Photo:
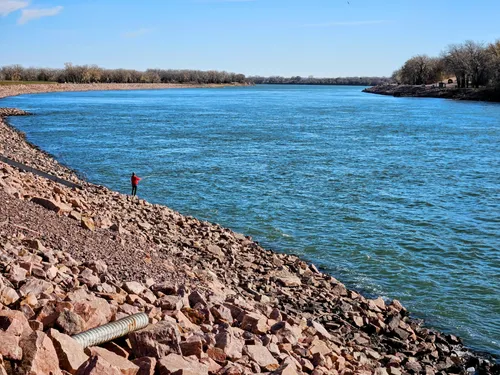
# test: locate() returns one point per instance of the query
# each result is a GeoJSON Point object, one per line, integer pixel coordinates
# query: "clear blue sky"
{"type": "Point", "coordinates": [324, 38]}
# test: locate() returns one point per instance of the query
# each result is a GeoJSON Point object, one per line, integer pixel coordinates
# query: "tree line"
{"type": "Point", "coordinates": [95, 74]}
{"type": "Point", "coordinates": [474, 64]}
{"type": "Point", "coordinates": [297, 80]}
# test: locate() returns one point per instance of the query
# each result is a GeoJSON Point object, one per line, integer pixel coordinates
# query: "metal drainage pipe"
{"type": "Point", "coordinates": [111, 331]}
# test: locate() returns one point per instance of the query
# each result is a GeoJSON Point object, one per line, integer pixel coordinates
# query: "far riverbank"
{"type": "Point", "coordinates": [21, 89]}
{"type": "Point", "coordinates": [481, 94]}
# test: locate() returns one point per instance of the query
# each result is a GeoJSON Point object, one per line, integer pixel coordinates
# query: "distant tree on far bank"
{"type": "Point", "coordinates": [95, 74]}
{"type": "Point", "coordinates": [297, 80]}
{"type": "Point", "coordinates": [420, 69]}
{"type": "Point", "coordinates": [494, 52]}
{"type": "Point", "coordinates": [473, 64]}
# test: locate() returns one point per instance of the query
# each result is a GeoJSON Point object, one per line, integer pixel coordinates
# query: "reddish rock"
{"type": "Point", "coordinates": [70, 322]}
{"type": "Point", "coordinates": [379, 303]}
{"type": "Point", "coordinates": [88, 278]}
{"type": "Point", "coordinates": [184, 321]}
{"type": "Point", "coordinates": [215, 250]}
{"type": "Point", "coordinates": [34, 244]}
{"type": "Point", "coordinates": [287, 278]}
{"type": "Point", "coordinates": [94, 311]}
{"type": "Point", "coordinates": [98, 266]}
{"type": "Point", "coordinates": [8, 296]}
{"type": "Point", "coordinates": [322, 332]}
{"type": "Point", "coordinates": [75, 215]}
{"type": "Point", "coordinates": [197, 316]}
{"type": "Point", "coordinates": [262, 356]}
{"type": "Point", "coordinates": [97, 366]}
{"type": "Point", "coordinates": [36, 287]}
{"type": "Point", "coordinates": [287, 369]}
{"type": "Point", "coordinates": [156, 340]}
{"type": "Point", "coordinates": [117, 349]}
{"type": "Point", "coordinates": [231, 345]}
{"type": "Point", "coordinates": [319, 346]}
{"type": "Point", "coordinates": [233, 369]}
{"type": "Point", "coordinates": [394, 371]}
{"type": "Point", "coordinates": [216, 354]}
{"type": "Point", "coordinates": [9, 346]}
{"type": "Point", "coordinates": [52, 205]}
{"type": "Point", "coordinates": [192, 346]}
{"type": "Point", "coordinates": [170, 302]}
{"type": "Point", "coordinates": [146, 365]}
{"type": "Point", "coordinates": [16, 274]}
{"type": "Point", "coordinates": [255, 323]}
{"type": "Point", "coordinates": [51, 311]}
{"type": "Point", "coordinates": [36, 325]}
{"type": "Point", "coordinates": [213, 367]}
{"type": "Point", "coordinates": [87, 223]}
{"type": "Point", "coordinates": [70, 353]}
{"type": "Point", "coordinates": [133, 287]}
{"type": "Point", "coordinates": [286, 333]}
{"type": "Point", "coordinates": [195, 298]}
{"type": "Point", "coordinates": [14, 322]}
{"type": "Point", "coordinates": [39, 355]}
{"type": "Point", "coordinates": [125, 366]}
{"type": "Point", "coordinates": [222, 314]}
{"type": "Point", "coordinates": [178, 365]}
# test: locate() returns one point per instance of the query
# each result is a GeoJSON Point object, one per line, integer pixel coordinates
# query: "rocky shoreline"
{"type": "Point", "coordinates": [13, 90]}
{"type": "Point", "coordinates": [218, 303]}
{"type": "Point", "coordinates": [482, 94]}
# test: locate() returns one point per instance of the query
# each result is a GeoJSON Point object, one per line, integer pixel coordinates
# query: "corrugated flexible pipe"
{"type": "Point", "coordinates": [111, 331]}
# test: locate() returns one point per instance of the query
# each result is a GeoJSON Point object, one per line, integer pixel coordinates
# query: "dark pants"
{"type": "Point", "coordinates": [134, 189]}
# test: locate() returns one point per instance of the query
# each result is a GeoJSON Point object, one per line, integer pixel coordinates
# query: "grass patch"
{"type": "Point", "coordinates": [7, 83]}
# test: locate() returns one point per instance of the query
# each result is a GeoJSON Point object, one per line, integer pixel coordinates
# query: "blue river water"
{"type": "Point", "coordinates": [398, 197]}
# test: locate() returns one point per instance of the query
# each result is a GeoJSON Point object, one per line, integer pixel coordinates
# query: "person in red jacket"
{"type": "Point", "coordinates": [135, 181]}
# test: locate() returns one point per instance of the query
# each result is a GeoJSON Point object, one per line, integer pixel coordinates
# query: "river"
{"type": "Point", "coordinates": [398, 197]}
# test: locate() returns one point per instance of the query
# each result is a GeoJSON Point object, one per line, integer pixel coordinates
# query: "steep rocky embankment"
{"type": "Point", "coordinates": [218, 303]}
{"type": "Point", "coordinates": [482, 94]}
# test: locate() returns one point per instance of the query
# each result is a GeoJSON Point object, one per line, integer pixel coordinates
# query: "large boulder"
{"type": "Point", "coordinates": [70, 353]}
{"type": "Point", "coordinates": [70, 322]}
{"type": "Point", "coordinates": [156, 340]}
{"type": "Point", "coordinates": [262, 356]}
{"type": "Point", "coordinates": [286, 278]}
{"type": "Point", "coordinates": [133, 287]}
{"type": "Point", "coordinates": [94, 311]}
{"type": "Point", "coordinates": [52, 205]}
{"type": "Point", "coordinates": [13, 326]}
{"type": "Point", "coordinates": [36, 287]}
{"type": "Point", "coordinates": [255, 322]}
{"type": "Point", "coordinates": [230, 344]}
{"type": "Point", "coordinates": [39, 355]}
{"type": "Point", "coordinates": [8, 296]}
{"type": "Point", "coordinates": [9, 346]}
{"type": "Point", "coordinates": [146, 365]}
{"type": "Point", "coordinates": [124, 365]}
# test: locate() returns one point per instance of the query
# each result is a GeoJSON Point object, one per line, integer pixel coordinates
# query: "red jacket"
{"type": "Point", "coordinates": [135, 180]}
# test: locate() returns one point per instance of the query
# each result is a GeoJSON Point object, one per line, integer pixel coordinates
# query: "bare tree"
{"type": "Point", "coordinates": [494, 52]}
{"type": "Point", "coordinates": [477, 61]}
{"type": "Point", "coordinates": [12, 72]}
{"type": "Point", "coordinates": [470, 62]}
{"type": "Point", "coordinates": [421, 69]}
